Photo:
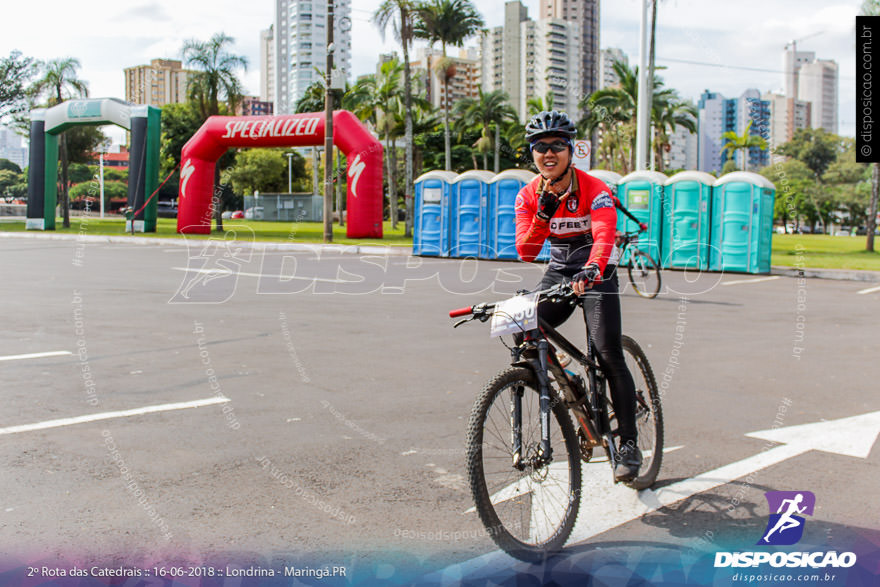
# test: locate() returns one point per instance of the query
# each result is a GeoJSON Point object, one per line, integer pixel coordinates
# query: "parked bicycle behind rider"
{"type": "Point", "coordinates": [576, 213]}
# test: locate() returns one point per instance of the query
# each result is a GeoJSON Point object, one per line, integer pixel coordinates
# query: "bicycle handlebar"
{"type": "Point", "coordinates": [461, 312]}
{"type": "Point", "coordinates": [561, 290]}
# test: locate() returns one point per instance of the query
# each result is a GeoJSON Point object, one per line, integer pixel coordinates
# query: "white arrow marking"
{"type": "Point", "coordinates": [108, 415]}
{"type": "Point", "coordinates": [608, 505]}
{"type": "Point", "coordinates": [35, 355]}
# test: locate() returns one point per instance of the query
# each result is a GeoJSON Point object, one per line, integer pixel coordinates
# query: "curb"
{"type": "Point", "coordinates": [257, 246]}
{"type": "Point", "coordinates": [837, 274]}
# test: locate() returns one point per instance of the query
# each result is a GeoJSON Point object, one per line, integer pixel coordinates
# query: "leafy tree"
{"type": "Point", "coordinates": [849, 183]}
{"type": "Point", "coordinates": [15, 75]}
{"type": "Point", "coordinates": [8, 178]}
{"type": "Point", "coordinates": [216, 81]}
{"type": "Point", "coordinates": [729, 167]}
{"type": "Point", "coordinates": [814, 146]}
{"type": "Point", "coordinates": [179, 123]}
{"type": "Point", "coordinates": [793, 181]}
{"type": "Point", "coordinates": [263, 170]}
{"type": "Point", "coordinates": [58, 82]}
{"type": "Point", "coordinates": [400, 14]}
{"type": "Point", "coordinates": [7, 164]}
{"type": "Point", "coordinates": [80, 172]}
{"type": "Point", "coordinates": [113, 190]}
{"type": "Point", "coordinates": [488, 110]}
{"type": "Point", "coordinates": [743, 142]}
{"type": "Point", "coordinates": [449, 22]}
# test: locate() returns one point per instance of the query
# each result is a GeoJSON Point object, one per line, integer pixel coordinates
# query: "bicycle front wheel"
{"type": "Point", "coordinates": [644, 275]}
{"type": "Point", "coordinates": [530, 510]}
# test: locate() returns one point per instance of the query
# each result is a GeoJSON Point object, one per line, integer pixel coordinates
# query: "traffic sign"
{"type": "Point", "coordinates": [581, 155]}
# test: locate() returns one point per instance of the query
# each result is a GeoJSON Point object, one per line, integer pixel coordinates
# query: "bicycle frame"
{"type": "Point", "coordinates": [587, 405]}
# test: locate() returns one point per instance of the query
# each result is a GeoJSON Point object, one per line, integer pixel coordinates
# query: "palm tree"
{"type": "Point", "coordinates": [536, 104]}
{"type": "Point", "coordinates": [383, 99]}
{"type": "Point", "coordinates": [215, 80]}
{"type": "Point", "coordinates": [489, 109]}
{"type": "Point", "coordinates": [668, 113]}
{"type": "Point", "coordinates": [449, 22]}
{"type": "Point", "coordinates": [400, 14]}
{"type": "Point", "coordinates": [742, 142]}
{"type": "Point", "coordinates": [216, 77]}
{"type": "Point", "coordinates": [58, 82]}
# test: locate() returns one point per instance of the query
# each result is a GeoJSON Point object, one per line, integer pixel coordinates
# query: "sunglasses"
{"type": "Point", "coordinates": [557, 147]}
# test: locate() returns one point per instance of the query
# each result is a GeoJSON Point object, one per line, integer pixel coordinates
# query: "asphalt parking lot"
{"type": "Point", "coordinates": [235, 401]}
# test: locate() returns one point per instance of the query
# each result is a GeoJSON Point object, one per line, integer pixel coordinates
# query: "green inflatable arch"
{"type": "Point", "coordinates": [143, 171]}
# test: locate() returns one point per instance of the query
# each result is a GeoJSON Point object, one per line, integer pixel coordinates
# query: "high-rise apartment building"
{"type": "Point", "coordinates": [550, 64]}
{"type": "Point", "coordinates": [11, 148]}
{"type": "Point", "coordinates": [161, 82]}
{"type": "Point", "coordinates": [585, 13]}
{"type": "Point", "coordinates": [817, 84]}
{"type": "Point", "coordinates": [492, 59]}
{"type": "Point", "coordinates": [716, 115]}
{"type": "Point", "coordinates": [787, 115]}
{"type": "Point", "coordinates": [792, 60]}
{"type": "Point", "coordinates": [465, 82]}
{"type": "Point", "coordinates": [267, 64]}
{"type": "Point", "coordinates": [511, 50]}
{"type": "Point", "coordinates": [607, 75]}
{"type": "Point", "coordinates": [300, 35]}
{"type": "Point", "coordinates": [682, 152]}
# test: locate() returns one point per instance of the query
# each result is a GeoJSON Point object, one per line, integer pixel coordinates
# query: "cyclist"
{"type": "Point", "coordinates": [576, 213]}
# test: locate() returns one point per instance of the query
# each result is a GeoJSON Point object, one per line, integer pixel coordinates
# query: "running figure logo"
{"type": "Point", "coordinates": [786, 527]}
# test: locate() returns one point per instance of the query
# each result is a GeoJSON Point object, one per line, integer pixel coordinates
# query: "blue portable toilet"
{"type": "Point", "coordinates": [687, 220]}
{"type": "Point", "coordinates": [742, 223]}
{"type": "Point", "coordinates": [503, 189]}
{"type": "Point", "coordinates": [641, 192]}
{"type": "Point", "coordinates": [611, 179]}
{"type": "Point", "coordinates": [469, 214]}
{"type": "Point", "coordinates": [431, 225]}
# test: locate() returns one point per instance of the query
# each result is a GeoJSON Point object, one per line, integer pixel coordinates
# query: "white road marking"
{"type": "Point", "coordinates": [756, 280]}
{"type": "Point", "coordinates": [246, 274]}
{"type": "Point", "coordinates": [35, 355]}
{"type": "Point", "coordinates": [869, 290]}
{"type": "Point", "coordinates": [110, 415]}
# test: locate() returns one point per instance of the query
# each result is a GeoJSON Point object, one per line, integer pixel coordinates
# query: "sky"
{"type": "Point", "coordinates": [717, 45]}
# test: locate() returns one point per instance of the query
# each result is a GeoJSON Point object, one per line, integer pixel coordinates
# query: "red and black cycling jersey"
{"type": "Point", "coordinates": [580, 232]}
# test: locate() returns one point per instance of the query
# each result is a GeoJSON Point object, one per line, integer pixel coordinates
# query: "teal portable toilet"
{"type": "Point", "coordinates": [641, 192]}
{"type": "Point", "coordinates": [611, 179]}
{"type": "Point", "coordinates": [431, 214]}
{"type": "Point", "coordinates": [742, 223]}
{"type": "Point", "coordinates": [503, 189]}
{"type": "Point", "coordinates": [469, 214]}
{"type": "Point", "coordinates": [687, 220]}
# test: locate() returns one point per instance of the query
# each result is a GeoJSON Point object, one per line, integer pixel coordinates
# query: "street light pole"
{"type": "Point", "coordinates": [328, 131]}
{"type": "Point", "coordinates": [643, 110]}
{"type": "Point", "coordinates": [289, 173]}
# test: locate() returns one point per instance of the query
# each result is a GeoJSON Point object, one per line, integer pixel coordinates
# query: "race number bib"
{"type": "Point", "coordinates": [518, 314]}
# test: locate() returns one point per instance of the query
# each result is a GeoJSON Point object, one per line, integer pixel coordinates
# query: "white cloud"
{"type": "Point", "coordinates": [108, 36]}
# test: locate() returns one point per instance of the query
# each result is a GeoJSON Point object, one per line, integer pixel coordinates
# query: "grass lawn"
{"type": "Point", "coordinates": [817, 250]}
{"type": "Point", "coordinates": [299, 232]}
{"type": "Point", "coordinates": [824, 251]}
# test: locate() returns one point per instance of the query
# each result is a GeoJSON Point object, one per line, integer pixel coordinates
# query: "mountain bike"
{"type": "Point", "coordinates": [524, 471]}
{"type": "Point", "coordinates": [643, 270]}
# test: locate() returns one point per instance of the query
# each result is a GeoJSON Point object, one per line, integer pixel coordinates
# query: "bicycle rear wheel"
{"type": "Point", "coordinates": [644, 275]}
{"type": "Point", "coordinates": [529, 513]}
{"type": "Point", "coordinates": [649, 415]}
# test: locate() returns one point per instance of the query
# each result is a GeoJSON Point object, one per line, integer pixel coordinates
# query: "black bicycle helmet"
{"type": "Point", "coordinates": [548, 124]}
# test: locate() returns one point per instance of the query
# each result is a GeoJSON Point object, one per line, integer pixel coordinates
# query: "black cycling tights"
{"type": "Point", "coordinates": [602, 315]}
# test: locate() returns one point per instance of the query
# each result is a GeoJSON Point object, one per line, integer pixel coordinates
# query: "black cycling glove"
{"type": "Point", "coordinates": [548, 203]}
{"type": "Point", "coordinates": [589, 274]}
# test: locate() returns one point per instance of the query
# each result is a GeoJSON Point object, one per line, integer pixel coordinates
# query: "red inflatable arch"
{"type": "Point", "coordinates": [363, 152]}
